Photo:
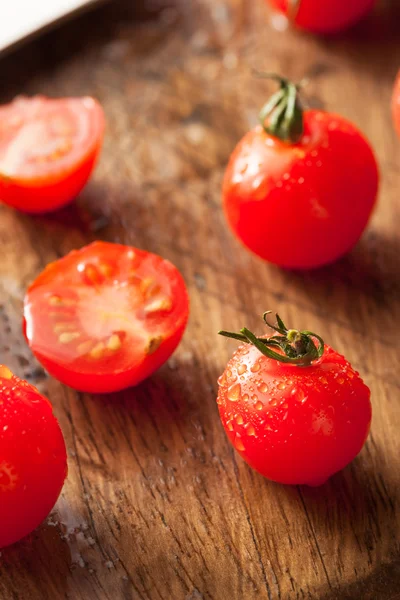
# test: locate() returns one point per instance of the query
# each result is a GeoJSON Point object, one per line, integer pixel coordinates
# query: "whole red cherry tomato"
{"type": "Point", "coordinates": [48, 149]}
{"type": "Point", "coordinates": [396, 104]}
{"type": "Point", "coordinates": [294, 408]}
{"type": "Point", "coordinates": [324, 16]}
{"type": "Point", "coordinates": [300, 188]}
{"type": "Point", "coordinates": [33, 459]}
{"type": "Point", "coordinates": [105, 317]}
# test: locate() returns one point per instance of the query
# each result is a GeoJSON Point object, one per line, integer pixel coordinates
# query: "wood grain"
{"type": "Point", "coordinates": [157, 505]}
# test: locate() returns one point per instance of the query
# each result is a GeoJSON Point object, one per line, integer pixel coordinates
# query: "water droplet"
{"type": "Point", "coordinates": [350, 374]}
{"type": "Point", "coordinates": [281, 386]}
{"type": "Point", "coordinates": [228, 373]}
{"type": "Point", "coordinates": [259, 405]}
{"type": "Point", "coordinates": [229, 425]}
{"type": "Point", "coordinates": [263, 387]}
{"type": "Point", "coordinates": [222, 379]}
{"type": "Point", "coordinates": [301, 397]}
{"type": "Point", "coordinates": [254, 397]}
{"type": "Point", "coordinates": [239, 420]}
{"type": "Point", "coordinates": [242, 369]}
{"type": "Point", "coordinates": [245, 397]}
{"type": "Point", "coordinates": [323, 380]}
{"type": "Point", "coordinates": [256, 367]}
{"type": "Point", "coordinates": [250, 429]}
{"type": "Point", "coordinates": [268, 428]}
{"type": "Point", "coordinates": [233, 393]}
{"type": "Point", "coordinates": [239, 443]}
{"type": "Point", "coordinates": [340, 380]}
{"type": "Point", "coordinates": [273, 401]}
{"type": "Point", "coordinates": [294, 391]}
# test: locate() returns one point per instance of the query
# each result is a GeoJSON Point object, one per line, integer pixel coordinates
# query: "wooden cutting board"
{"type": "Point", "coordinates": [157, 505]}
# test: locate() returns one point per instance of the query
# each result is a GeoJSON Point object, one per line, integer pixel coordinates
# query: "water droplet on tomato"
{"type": "Point", "coordinates": [340, 380]}
{"type": "Point", "coordinates": [239, 443]}
{"type": "Point", "coordinates": [255, 368]}
{"type": "Point", "coordinates": [239, 420]}
{"type": "Point", "coordinates": [250, 429]}
{"type": "Point", "coordinates": [242, 368]}
{"type": "Point", "coordinates": [222, 379]}
{"type": "Point", "coordinates": [259, 405]}
{"type": "Point", "coordinates": [263, 387]}
{"type": "Point", "coordinates": [229, 425]}
{"type": "Point", "coordinates": [245, 397]}
{"type": "Point", "coordinates": [281, 386]}
{"type": "Point", "coordinates": [233, 393]}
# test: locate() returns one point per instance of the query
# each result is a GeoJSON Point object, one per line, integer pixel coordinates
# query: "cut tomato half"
{"type": "Point", "coordinates": [48, 148]}
{"type": "Point", "coordinates": [105, 317]}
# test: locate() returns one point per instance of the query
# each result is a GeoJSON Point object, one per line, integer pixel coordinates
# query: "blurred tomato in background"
{"type": "Point", "coordinates": [323, 16]}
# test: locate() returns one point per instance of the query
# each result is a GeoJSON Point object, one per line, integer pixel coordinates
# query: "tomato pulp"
{"type": "Point", "coordinates": [33, 460]}
{"type": "Point", "coordinates": [105, 317]}
{"type": "Point", "coordinates": [48, 148]}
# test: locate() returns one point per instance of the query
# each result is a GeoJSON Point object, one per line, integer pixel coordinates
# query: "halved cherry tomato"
{"type": "Point", "coordinates": [48, 149]}
{"type": "Point", "coordinates": [324, 16]}
{"type": "Point", "coordinates": [105, 317]}
{"type": "Point", "coordinates": [294, 408]}
{"type": "Point", "coordinates": [396, 104]}
{"type": "Point", "coordinates": [33, 459]}
{"type": "Point", "coordinates": [300, 188]}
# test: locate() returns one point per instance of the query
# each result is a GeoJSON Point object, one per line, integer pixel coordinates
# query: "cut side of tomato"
{"type": "Point", "coordinates": [48, 148]}
{"type": "Point", "coordinates": [105, 317]}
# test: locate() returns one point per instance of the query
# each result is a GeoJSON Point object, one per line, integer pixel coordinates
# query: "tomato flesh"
{"type": "Point", "coordinates": [48, 149]}
{"type": "Point", "coordinates": [294, 425]}
{"type": "Point", "coordinates": [321, 16]}
{"type": "Point", "coordinates": [301, 205]}
{"type": "Point", "coordinates": [33, 460]}
{"type": "Point", "coordinates": [105, 317]}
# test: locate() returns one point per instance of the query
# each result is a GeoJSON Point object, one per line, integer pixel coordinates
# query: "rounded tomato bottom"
{"type": "Point", "coordinates": [33, 458]}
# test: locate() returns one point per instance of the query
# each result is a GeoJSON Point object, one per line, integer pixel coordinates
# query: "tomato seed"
{"type": "Point", "coordinates": [67, 337]}
{"type": "Point", "coordinates": [114, 342]}
{"type": "Point", "coordinates": [98, 350]}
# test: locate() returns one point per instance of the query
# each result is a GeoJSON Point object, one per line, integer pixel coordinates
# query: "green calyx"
{"type": "Point", "coordinates": [282, 115]}
{"type": "Point", "coordinates": [288, 346]}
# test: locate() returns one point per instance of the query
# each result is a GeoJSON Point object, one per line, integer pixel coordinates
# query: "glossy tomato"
{"type": "Point", "coordinates": [48, 149]}
{"type": "Point", "coordinates": [105, 317]}
{"type": "Point", "coordinates": [33, 460]}
{"type": "Point", "coordinates": [296, 422]}
{"type": "Point", "coordinates": [324, 16]}
{"type": "Point", "coordinates": [299, 190]}
{"type": "Point", "coordinates": [396, 104]}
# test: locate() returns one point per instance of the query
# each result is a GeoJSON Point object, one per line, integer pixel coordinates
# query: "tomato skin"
{"type": "Point", "coordinates": [326, 17]}
{"type": "Point", "coordinates": [94, 313]}
{"type": "Point", "coordinates": [396, 104]}
{"type": "Point", "coordinates": [294, 425]}
{"type": "Point", "coordinates": [301, 205]}
{"type": "Point", "coordinates": [52, 188]}
{"type": "Point", "coordinates": [33, 459]}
